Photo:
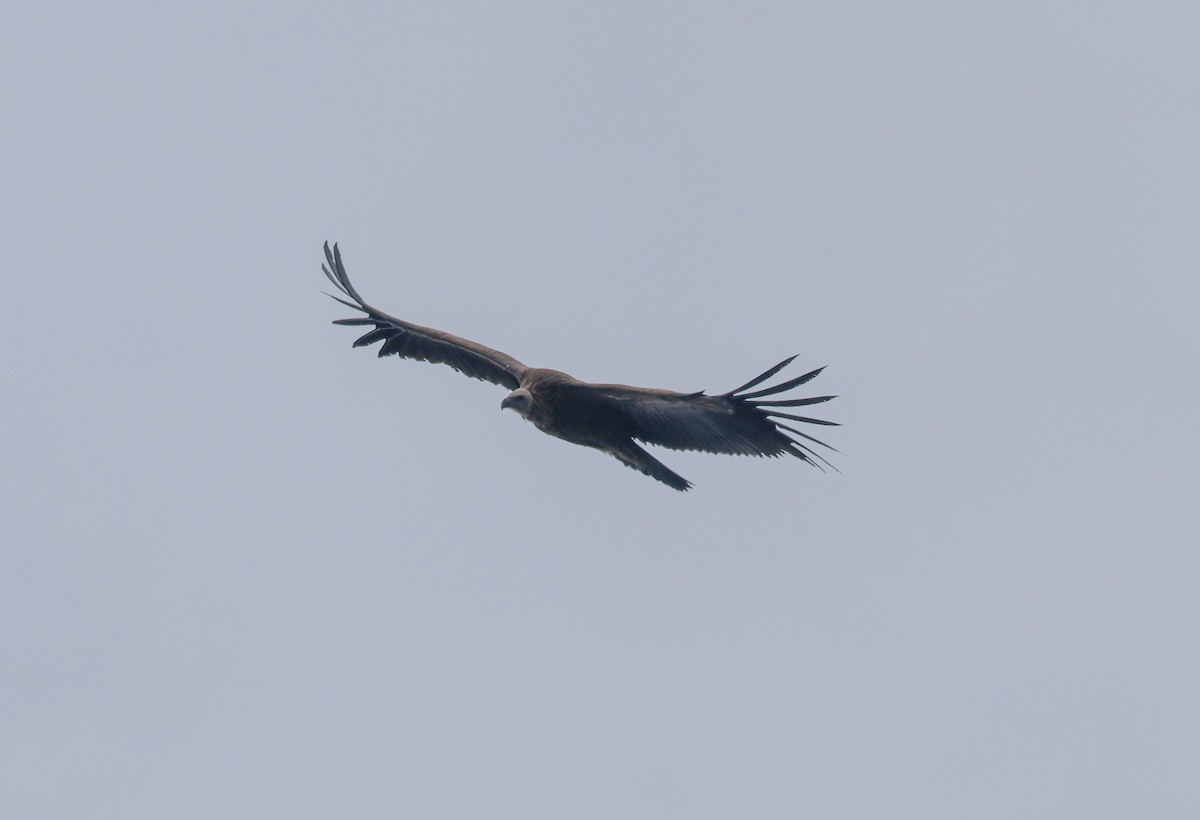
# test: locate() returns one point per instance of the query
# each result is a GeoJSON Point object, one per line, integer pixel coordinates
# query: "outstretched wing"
{"type": "Point", "coordinates": [424, 344]}
{"type": "Point", "coordinates": [737, 422]}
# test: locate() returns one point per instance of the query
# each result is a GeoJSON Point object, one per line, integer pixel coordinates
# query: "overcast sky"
{"type": "Point", "coordinates": [249, 572]}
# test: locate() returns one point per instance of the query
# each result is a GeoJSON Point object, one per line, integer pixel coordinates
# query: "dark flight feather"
{"type": "Point", "coordinates": [779, 388]}
{"type": "Point", "coordinates": [759, 379]}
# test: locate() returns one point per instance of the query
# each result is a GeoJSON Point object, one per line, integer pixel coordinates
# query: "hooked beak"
{"type": "Point", "coordinates": [519, 400]}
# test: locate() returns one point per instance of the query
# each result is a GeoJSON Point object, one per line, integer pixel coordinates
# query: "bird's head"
{"type": "Point", "coordinates": [520, 400]}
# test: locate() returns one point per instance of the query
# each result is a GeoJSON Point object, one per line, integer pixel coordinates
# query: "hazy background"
{"type": "Point", "coordinates": [249, 572]}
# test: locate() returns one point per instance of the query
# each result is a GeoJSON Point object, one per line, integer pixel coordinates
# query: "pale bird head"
{"type": "Point", "coordinates": [520, 400]}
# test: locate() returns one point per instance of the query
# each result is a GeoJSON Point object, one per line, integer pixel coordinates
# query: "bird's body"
{"type": "Point", "coordinates": [578, 412]}
{"type": "Point", "coordinates": [607, 417]}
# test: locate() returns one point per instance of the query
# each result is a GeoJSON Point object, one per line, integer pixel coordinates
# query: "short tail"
{"type": "Point", "coordinates": [634, 456]}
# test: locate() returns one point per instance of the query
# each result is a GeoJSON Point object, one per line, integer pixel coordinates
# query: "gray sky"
{"type": "Point", "coordinates": [249, 572]}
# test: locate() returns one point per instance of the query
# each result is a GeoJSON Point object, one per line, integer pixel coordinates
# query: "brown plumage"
{"type": "Point", "coordinates": [608, 417]}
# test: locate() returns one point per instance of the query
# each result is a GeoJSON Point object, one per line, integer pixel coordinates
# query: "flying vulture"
{"type": "Point", "coordinates": [611, 418]}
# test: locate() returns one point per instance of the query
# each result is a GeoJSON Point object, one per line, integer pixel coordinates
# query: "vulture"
{"type": "Point", "coordinates": [611, 418]}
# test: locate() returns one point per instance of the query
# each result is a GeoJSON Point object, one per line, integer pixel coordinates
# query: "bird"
{"type": "Point", "coordinates": [611, 418]}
